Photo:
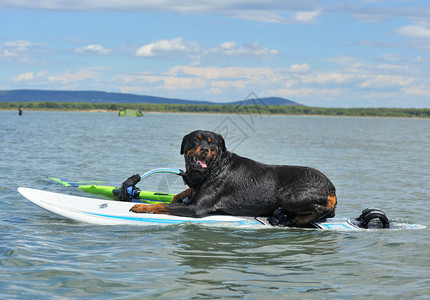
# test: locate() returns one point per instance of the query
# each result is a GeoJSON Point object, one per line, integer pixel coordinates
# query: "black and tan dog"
{"type": "Point", "coordinates": [224, 182]}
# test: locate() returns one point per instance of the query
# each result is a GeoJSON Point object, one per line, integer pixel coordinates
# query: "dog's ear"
{"type": "Point", "coordinates": [221, 143]}
{"type": "Point", "coordinates": [185, 141]}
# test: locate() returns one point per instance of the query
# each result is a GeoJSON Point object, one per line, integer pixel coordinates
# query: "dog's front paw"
{"type": "Point", "coordinates": [150, 208]}
{"type": "Point", "coordinates": [139, 208]}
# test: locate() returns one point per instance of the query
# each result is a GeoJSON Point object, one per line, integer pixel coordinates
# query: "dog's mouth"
{"type": "Point", "coordinates": [202, 163]}
{"type": "Point", "coordinates": [199, 163]}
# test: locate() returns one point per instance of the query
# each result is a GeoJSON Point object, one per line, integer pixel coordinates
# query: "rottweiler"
{"type": "Point", "coordinates": [220, 181]}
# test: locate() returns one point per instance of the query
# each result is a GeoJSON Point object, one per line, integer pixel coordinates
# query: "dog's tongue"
{"type": "Point", "coordinates": [202, 164]}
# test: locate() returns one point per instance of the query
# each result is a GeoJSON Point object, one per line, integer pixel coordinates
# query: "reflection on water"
{"type": "Point", "coordinates": [259, 246]}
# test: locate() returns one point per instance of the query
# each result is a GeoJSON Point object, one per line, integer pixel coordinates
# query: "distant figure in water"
{"type": "Point", "coordinates": [20, 110]}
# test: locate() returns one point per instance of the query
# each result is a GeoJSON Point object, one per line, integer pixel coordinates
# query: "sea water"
{"type": "Point", "coordinates": [373, 162]}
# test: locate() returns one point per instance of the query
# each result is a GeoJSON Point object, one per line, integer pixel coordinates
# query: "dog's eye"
{"type": "Point", "coordinates": [209, 141]}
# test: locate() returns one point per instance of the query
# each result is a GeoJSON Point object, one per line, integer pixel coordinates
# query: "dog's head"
{"type": "Point", "coordinates": [201, 149]}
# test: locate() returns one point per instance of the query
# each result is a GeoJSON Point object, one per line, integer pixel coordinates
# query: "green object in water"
{"type": "Point", "coordinates": [130, 112]}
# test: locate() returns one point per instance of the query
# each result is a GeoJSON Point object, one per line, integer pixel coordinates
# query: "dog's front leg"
{"type": "Point", "coordinates": [179, 198]}
{"type": "Point", "coordinates": [197, 209]}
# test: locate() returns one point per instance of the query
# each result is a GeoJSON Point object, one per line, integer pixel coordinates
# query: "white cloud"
{"type": "Point", "coordinates": [178, 83]}
{"type": "Point", "coordinates": [7, 53]}
{"type": "Point", "coordinates": [417, 90]}
{"type": "Point", "coordinates": [19, 45]}
{"type": "Point", "coordinates": [328, 77]}
{"type": "Point", "coordinates": [307, 17]}
{"type": "Point", "coordinates": [419, 31]}
{"type": "Point", "coordinates": [346, 61]}
{"type": "Point", "coordinates": [300, 68]}
{"type": "Point", "coordinates": [380, 10]}
{"type": "Point", "coordinates": [355, 74]}
{"type": "Point", "coordinates": [216, 80]}
{"type": "Point", "coordinates": [255, 10]}
{"type": "Point", "coordinates": [164, 47]}
{"type": "Point", "coordinates": [301, 82]}
{"type": "Point", "coordinates": [383, 81]}
{"type": "Point", "coordinates": [93, 49]}
{"type": "Point", "coordinates": [29, 76]}
{"type": "Point", "coordinates": [216, 73]}
{"type": "Point", "coordinates": [165, 81]}
{"type": "Point", "coordinates": [283, 14]}
{"type": "Point", "coordinates": [231, 48]}
{"type": "Point", "coordinates": [211, 80]}
{"type": "Point", "coordinates": [394, 68]}
{"type": "Point", "coordinates": [194, 51]}
{"type": "Point", "coordinates": [23, 77]}
{"type": "Point", "coordinates": [391, 57]}
{"type": "Point", "coordinates": [263, 16]}
{"type": "Point", "coordinates": [16, 49]}
{"type": "Point", "coordinates": [69, 77]}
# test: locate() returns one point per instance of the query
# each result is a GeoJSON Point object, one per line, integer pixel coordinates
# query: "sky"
{"type": "Point", "coordinates": [325, 53]}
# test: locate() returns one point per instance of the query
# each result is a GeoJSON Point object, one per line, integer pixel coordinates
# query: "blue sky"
{"type": "Point", "coordinates": [328, 53]}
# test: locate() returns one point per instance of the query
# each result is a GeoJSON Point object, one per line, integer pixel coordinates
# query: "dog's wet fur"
{"type": "Point", "coordinates": [223, 182]}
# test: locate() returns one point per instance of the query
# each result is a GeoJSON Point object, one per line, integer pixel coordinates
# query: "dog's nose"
{"type": "Point", "coordinates": [204, 149]}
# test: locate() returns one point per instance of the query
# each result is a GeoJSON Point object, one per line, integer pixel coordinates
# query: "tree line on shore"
{"type": "Point", "coordinates": [238, 109]}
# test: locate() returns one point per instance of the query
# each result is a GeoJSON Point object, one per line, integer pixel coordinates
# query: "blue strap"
{"type": "Point", "coordinates": [130, 191]}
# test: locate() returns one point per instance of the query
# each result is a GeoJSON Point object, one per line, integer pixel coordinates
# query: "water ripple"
{"type": "Point", "coordinates": [373, 162]}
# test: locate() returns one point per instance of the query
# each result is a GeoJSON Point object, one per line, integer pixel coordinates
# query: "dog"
{"type": "Point", "coordinates": [220, 181]}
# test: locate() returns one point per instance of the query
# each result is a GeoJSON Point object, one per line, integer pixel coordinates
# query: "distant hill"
{"type": "Point", "coordinates": [104, 97]}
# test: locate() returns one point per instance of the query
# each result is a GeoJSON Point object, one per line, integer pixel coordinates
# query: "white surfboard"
{"type": "Point", "coordinates": [110, 212]}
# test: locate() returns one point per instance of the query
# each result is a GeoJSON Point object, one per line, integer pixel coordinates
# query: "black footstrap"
{"type": "Point", "coordinates": [370, 214]}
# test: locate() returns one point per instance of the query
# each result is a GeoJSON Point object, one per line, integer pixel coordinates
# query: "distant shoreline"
{"type": "Point", "coordinates": [222, 109]}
